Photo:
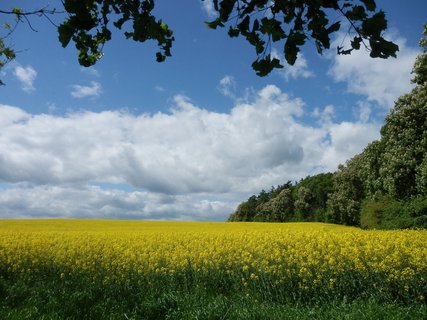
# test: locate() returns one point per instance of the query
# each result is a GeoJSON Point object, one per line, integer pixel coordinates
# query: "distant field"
{"type": "Point", "coordinates": [132, 269]}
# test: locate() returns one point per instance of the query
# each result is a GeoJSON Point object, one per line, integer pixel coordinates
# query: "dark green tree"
{"type": "Point", "coordinates": [345, 202]}
{"type": "Point", "coordinates": [320, 186]}
{"type": "Point", "coordinates": [404, 135]}
{"type": "Point", "coordinates": [420, 66]}
{"type": "Point", "coordinates": [246, 211]}
{"type": "Point", "coordinates": [283, 205]}
{"type": "Point", "coordinates": [388, 180]}
{"type": "Point", "coordinates": [304, 204]}
{"type": "Point", "coordinates": [370, 168]}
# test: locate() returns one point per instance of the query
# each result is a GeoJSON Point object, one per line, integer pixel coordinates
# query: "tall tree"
{"type": "Point", "coordinates": [390, 174]}
{"type": "Point", "coordinates": [345, 202]}
{"type": "Point", "coordinates": [304, 203]}
{"type": "Point", "coordinates": [404, 136]}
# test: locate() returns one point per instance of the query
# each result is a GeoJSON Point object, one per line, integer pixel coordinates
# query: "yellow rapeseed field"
{"type": "Point", "coordinates": [312, 258]}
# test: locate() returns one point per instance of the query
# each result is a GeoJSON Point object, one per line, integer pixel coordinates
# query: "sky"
{"type": "Point", "coordinates": [189, 138]}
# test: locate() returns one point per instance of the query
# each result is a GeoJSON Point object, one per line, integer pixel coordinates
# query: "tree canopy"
{"type": "Point", "coordinates": [290, 24]}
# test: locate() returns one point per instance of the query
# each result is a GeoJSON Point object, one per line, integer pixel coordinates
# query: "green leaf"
{"type": "Point", "coordinates": [334, 27]}
{"type": "Point", "coordinates": [17, 11]}
{"type": "Point", "coordinates": [294, 41]}
{"type": "Point", "coordinates": [214, 24]}
{"type": "Point", "coordinates": [369, 4]}
{"type": "Point", "coordinates": [243, 26]}
{"type": "Point", "coordinates": [374, 25]}
{"type": "Point", "coordinates": [272, 27]}
{"type": "Point", "coordinates": [264, 66]}
{"type": "Point", "coordinates": [358, 13]}
{"type": "Point", "coordinates": [340, 51]}
{"type": "Point", "coordinates": [65, 32]}
{"type": "Point", "coordinates": [226, 7]}
{"type": "Point", "coordinates": [233, 32]}
{"type": "Point", "coordinates": [319, 47]}
{"type": "Point", "coordinates": [381, 48]}
{"type": "Point", "coordinates": [9, 53]}
{"type": "Point", "coordinates": [160, 57]}
{"type": "Point", "coordinates": [355, 43]}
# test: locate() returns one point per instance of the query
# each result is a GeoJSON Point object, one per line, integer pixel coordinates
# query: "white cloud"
{"type": "Point", "coordinates": [208, 8]}
{"type": "Point", "coordinates": [159, 89]}
{"type": "Point", "coordinates": [347, 139]}
{"type": "Point", "coordinates": [94, 90]}
{"type": "Point", "coordinates": [203, 162]}
{"type": "Point", "coordinates": [27, 76]}
{"type": "Point", "coordinates": [90, 71]}
{"type": "Point", "coordinates": [227, 86]}
{"type": "Point", "coordinates": [95, 202]}
{"type": "Point", "coordinates": [298, 70]}
{"type": "Point", "coordinates": [324, 116]}
{"type": "Point", "coordinates": [363, 111]}
{"type": "Point", "coordinates": [380, 80]}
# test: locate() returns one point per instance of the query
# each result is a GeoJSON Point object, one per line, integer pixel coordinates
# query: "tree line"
{"type": "Point", "coordinates": [385, 186]}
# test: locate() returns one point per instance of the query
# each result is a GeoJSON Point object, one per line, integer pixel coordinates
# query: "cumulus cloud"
{"type": "Point", "coordinates": [94, 90]}
{"type": "Point", "coordinates": [95, 202]}
{"type": "Point", "coordinates": [92, 71]}
{"type": "Point", "coordinates": [346, 139]}
{"type": "Point", "coordinates": [227, 86]}
{"type": "Point", "coordinates": [184, 156]}
{"type": "Point", "coordinates": [298, 70]}
{"type": "Point", "coordinates": [27, 76]}
{"type": "Point", "coordinates": [208, 8]}
{"type": "Point", "coordinates": [324, 116]}
{"type": "Point", "coordinates": [379, 80]}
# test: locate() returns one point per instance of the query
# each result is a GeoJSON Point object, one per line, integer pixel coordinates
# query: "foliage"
{"type": "Point", "coordinates": [388, 213]}
{"type": "Point", "coordinates": [320, 186]}
{"type": "Point", "coordinates": [417, 208]}
{"type": "Point", "coordinates": [404, 136]}
{"type": "Point", "coordinates": [383, 187]}
{"type": "Point", "coordinates": [246, 211]}
{"type": "Point", "coordinates": [89, 25]}
{"type": "Point", "coordinates": [304, 201]}
{"type": "Point", "coordinates": [390, 175]}
{"type": "Point", "coordinates": [383, 213]}
{"type": "Point", "coordinates": [344, 203]}
{"type": "Point", "coordinates": [420, 66]}
{"type": "Point", "coordinates": [279, 208]}
{"type": "Point", "coordinates": [293, 23]}
{"type": "Point", "coordinates": [7, 53]}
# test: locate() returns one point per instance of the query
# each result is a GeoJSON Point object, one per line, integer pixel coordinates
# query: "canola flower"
{"type": "Point", "coordinates": [297, 259]}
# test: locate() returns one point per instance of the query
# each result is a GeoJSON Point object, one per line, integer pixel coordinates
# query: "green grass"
{"type": "Point", "coordinates": [50, 298]}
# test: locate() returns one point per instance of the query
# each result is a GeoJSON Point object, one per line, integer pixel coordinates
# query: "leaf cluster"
{"type": "Point", "coordinates": [88, 26]}
{"type": "Point", "coordinates": [263, 23]}
{"type": "Point", "coordinates": [293, 23]}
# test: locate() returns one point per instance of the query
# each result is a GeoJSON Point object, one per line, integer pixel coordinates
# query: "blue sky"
{"type": "Point", "coordinates": [190, 138]}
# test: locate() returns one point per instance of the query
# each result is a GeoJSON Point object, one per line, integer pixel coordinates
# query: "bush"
{"type": "Point", "coordinates": [387, 213]}
{"type": "Point", "coordinates": [371, 214]}
{"type": "Point", "coordinates": [418, 210]}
